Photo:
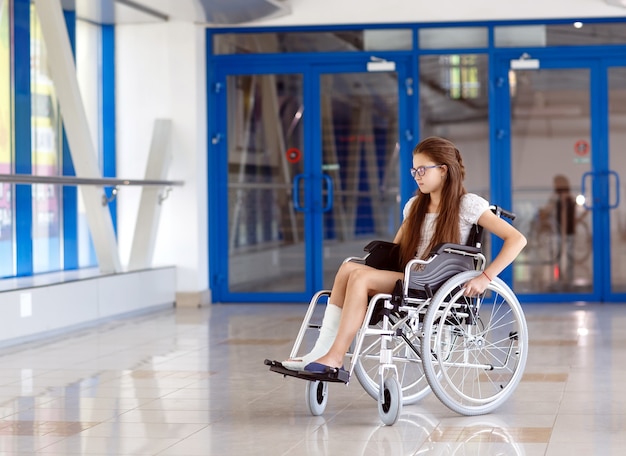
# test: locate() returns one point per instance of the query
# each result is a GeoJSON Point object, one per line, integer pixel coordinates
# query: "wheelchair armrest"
{"type": "Point", "coordinates": [378, 244]}
{"type": "Point", "coordinates": [441, 248]}
{"type": "Point", "coordinates": [359, 260]}
{"type": "Point", "coordinates": [383, 255]}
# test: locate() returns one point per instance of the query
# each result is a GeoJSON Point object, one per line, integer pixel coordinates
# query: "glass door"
{"type": "Point", "coordinates": [566, 138]}
{"type": "Point", "coordinates": [360, 148]}
{"type": "Point", "coordinates": [303, 173]}
{"type": "Point", "coordinates": [258, 232]}
{"type": "Point", "coordinates": [550, 154]}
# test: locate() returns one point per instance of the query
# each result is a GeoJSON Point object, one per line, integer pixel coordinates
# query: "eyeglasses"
{"type": "Point", "coordinates": [421, 170]}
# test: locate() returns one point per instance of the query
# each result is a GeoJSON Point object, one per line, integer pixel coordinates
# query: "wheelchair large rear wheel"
{"type": "Point", "coordinates": [479, 345]}
{"type": "Point", "coordinates": [406, 357]}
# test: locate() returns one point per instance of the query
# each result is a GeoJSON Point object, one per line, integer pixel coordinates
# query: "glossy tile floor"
{"type": "Point", "coordinates": [192, 382]}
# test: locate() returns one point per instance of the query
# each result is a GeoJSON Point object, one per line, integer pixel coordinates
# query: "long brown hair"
{"type": "Point", "coordinates": [442, 152]}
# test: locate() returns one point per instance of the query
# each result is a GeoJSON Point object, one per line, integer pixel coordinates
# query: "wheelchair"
{"type": "Point", "coordinates": [427, 336]}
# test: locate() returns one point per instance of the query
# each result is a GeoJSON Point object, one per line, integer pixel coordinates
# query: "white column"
{"type": "Point", "coordinates": [160, 73]}
{"type": "Point", "coordinates": [142, 248]}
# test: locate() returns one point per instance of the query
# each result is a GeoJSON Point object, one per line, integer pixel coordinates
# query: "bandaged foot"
{"type": "Point", "coordinates": [328, 331]}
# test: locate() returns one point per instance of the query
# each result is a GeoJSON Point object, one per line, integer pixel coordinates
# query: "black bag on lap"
{"type": "Point", "coordinates": [383, 255]}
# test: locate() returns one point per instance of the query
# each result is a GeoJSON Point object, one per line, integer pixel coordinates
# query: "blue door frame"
{"type": "Point", "coordinates": [597, 61]}
{"type": "Point", "coordinates": [604, 181]}
{"type": "Point", "coordinates": [313, 178]}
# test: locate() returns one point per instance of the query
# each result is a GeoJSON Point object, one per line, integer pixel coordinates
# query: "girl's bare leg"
{"type": "Point", "coordinates": [338, 292]}
{"type": "Point", "coordinates": [330, 322]}
{"type": "Point", "coordinates": [361, 283]}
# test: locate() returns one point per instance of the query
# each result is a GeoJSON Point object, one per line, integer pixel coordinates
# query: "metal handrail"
{"type": "Point", "coordinates": [71, 180]}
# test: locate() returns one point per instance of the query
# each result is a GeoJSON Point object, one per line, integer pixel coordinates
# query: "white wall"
{"type": "Point", "coordinates": [160, 73]}
{"type": "Point", "coordinates": [308, 12]}
{"type": "Point", "coordinates": [43, 305]}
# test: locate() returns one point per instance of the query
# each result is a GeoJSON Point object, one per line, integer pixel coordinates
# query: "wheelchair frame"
{"type": "Point", "coordinates": [426, 336]}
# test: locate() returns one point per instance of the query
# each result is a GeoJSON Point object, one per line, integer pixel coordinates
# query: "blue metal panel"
{"type": "Point", "coordinates": [617, 61]}
{"type": "Point", "coordinates": [21, 81]}
{"type": "Point", "coordinates": [70, 216]}
{"type": "Point", "coordinates": [408, 98]}
{"type": "Point", "coordinates": [313, 218]}
{"type": "Point", "coordinates": [413, 133]}
{"type": "Point", "coordinates": [70, 198]}
{"type": "Point", "coordinates": [108, 111]}
{"type": "Point", "coordinates": [217, 185]}
{"type": "Point", "coordinates": [599, 166]}
{"type": "Point", "coordinates": [500, 144]}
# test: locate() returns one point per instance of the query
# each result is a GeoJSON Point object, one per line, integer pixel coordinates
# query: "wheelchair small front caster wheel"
{"type": "Point", "coordinates": [316, 396]}
{"type": "Point", "coordinates": [390, 401]}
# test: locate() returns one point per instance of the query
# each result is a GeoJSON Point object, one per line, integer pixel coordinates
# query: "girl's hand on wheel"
{"type": "Point", "coordinates": [477, 285]}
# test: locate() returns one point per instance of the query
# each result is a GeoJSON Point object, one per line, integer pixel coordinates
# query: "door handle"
{"type": "Point", "coordinates": [583, 189]}
{"type": "Point", "coordinates": [610, 205]}
{"type": "Point", "coordinates": [329, 195]}
{"type": "Point", "coordinates": [295, 194]}
{"type": "Point", "coordinates": [617, 190]}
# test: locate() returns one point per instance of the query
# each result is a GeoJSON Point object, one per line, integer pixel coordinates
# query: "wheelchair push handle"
{"type": "Point", "coordinates": [502, 212]}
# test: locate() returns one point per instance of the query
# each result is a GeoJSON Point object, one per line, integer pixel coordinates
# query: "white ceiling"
{"type": "Point", "coordinates": [324, 12]}
{"type": "Point", "coordinates": [210, 12]}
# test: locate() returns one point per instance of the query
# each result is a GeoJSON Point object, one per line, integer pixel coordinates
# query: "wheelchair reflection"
{"type": "Point", "coordinates": [419, 433]}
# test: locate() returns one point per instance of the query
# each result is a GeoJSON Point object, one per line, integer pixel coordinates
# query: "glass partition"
{"type": "Point", "coordinates": [575, 33]}
{"type": "Point", "coordinates": [331, 41]}
{"type": "Point", "coordinates": [7, 267]}
{"type": "Point", "coordinates": [46, 150]}
{"type": "Point", "coordinates": [453, 37]}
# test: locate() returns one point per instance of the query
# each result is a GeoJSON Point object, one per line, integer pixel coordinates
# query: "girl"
{"type": "Point", "coordinates": [442, 211]}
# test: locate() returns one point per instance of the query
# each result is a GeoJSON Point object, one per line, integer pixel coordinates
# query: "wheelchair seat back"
{"type": "Point", "coordinates": [443, 266]}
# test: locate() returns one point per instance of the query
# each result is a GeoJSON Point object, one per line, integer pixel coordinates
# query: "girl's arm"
{"type": "Point", "coordinates": [398, 236]}
{"type": "Point", "coordinates": [514, 242]}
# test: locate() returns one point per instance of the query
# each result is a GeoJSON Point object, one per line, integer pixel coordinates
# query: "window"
{"type": "Point", "coordinates": [45, 156]}
{"type": "Point", "coordinates": [453, 37]}
{"type": "Point", "coordinates": [6, 154]}
{"type": "Point", "coordinates": [57, 208]}
{"type": "Point", "coordinates": [576, 33]}
{"type": "Point", "coordinates": [336, 41]}
{"type": "Point", "coordinates": [461, 76]}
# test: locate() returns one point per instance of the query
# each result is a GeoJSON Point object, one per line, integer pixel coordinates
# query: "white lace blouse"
{"type": "Point", "coordinates": [472, 207]}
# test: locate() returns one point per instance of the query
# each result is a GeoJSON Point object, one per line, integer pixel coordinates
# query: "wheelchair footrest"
{"type": "Point", "coordinates": [333, 375]}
